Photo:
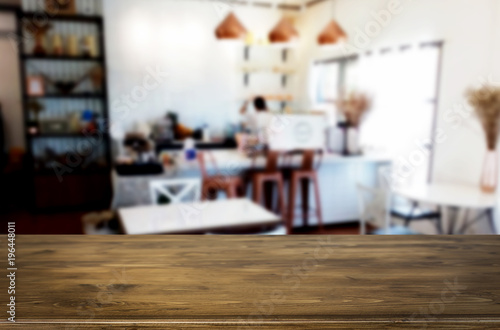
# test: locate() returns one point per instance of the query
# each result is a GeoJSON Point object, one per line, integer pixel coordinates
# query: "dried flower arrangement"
{"type": "Point", "coordinates": [354, 107]}
{"type": "Point", "coordinates": [486, 102]}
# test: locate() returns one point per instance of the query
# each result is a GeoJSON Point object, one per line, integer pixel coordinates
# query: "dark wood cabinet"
{"type": "Point", "coordinates": [84, 191]}
{"type": "Point", "coordinates": [59, 130]}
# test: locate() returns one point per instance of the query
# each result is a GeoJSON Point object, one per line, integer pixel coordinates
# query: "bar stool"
{"type": "Point", "coordinates": [263, 181]}
{"type": "Point", "coordinates": [232, 186]}
{"type": "Point", "coordinates": [302, 177]}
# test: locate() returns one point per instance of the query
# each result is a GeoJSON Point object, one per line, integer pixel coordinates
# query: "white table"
{"type": "Point", "coordinates": [446, 196]}
{"type": "Point", "coordinates": [195, 217]}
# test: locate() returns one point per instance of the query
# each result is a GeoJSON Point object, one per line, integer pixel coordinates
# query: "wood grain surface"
{"type": "Point", "coordinates": [291, 282]}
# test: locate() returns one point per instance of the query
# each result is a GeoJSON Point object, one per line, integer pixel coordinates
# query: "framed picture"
{"type": "Point", "coordinates": [35, 86]}
{"type": "Point", "coordinates": [60, 7]}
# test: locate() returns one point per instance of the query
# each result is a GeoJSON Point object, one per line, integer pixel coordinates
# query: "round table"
{"type": "Point", "coordinates": [447, 196]}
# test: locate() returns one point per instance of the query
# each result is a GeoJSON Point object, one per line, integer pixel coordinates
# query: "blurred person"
{"type": "Point", "coordinates": [258, 121]}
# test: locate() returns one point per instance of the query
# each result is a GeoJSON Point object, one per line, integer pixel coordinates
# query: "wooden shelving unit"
{"type": "Point", "coordinates": [85, 183]}
{"type": "Point", "coordinates": [279, 71]}
{"type": "Point", "coordinates": [63, 58]}
{"type": "Point", "coordinates": [66, 96]}
{"type": "Point", "coordinates": [65, 18]}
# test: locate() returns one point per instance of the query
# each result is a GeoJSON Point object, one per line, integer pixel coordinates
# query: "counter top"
{"type": "Point", "coordinates": [229, 282]}
{"type": "Point", "coordinates": [161, 146]}
{"type": "Point", "coordinates": [233, 160]}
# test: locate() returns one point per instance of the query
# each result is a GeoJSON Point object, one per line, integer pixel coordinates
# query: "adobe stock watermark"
{"type": "Point", "coordinates": [380, 19]}
{"type": "Point", "coordinates": [438, 306]}
{"type": "Point", "coordinates": [222, 8]}
{"type": "Point", "coordinates": [86, 149]}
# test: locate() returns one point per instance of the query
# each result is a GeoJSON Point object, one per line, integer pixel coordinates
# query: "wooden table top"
{"type": "Point", "coordinates": [229, 282]}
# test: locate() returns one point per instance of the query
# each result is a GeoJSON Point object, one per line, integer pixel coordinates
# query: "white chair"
{"type": "Point", "coordinates": [374, 209]}
{"type": "Point", "coordinates": [189, 190]}
{"type": "Point", "coordinates": [175, 190]}
{"type": "Point", "coordinates": [404, 209]}
{"type": "Point", "coordinates": [374, 205]}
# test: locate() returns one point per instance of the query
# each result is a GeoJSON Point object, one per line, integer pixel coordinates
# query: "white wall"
{"type": "Point", "coordinates": [310, 25]}
{"type": "Point", "coordinates": [10, 93]}
{"type": "Point", "coordinates": [469, 30]}
{"type": "Point", "coordinates": [204, 82]}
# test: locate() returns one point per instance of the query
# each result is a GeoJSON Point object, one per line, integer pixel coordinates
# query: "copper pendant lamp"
{"type": "Point", "coordinates": [230, 28]}
{"type": "Point", "coordinates": [332, 34]}
{"type": "Point", "coordinates": [284, 31]}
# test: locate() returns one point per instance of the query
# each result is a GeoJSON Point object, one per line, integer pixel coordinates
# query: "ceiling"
{"type": "Point", "coordinates": [288, 2]}
{"type": "Point", "coordinates": [296, 3]}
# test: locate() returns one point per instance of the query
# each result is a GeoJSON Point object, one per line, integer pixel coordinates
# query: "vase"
{"type": "Point", "coordinates": [353, 141]}
{"type": "Point", "coordinates": [39, 49]}
{"type": "Point", "coordinates": [489, 177]}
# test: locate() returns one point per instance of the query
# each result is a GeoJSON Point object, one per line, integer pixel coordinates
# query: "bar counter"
{"type": "Point", "coordinates": [338, 176]}
{"type": "Point", "coordinates": [221, 282]}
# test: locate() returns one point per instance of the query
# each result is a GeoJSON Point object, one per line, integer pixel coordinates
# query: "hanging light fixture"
{"type": "Point", "coordinates": [332, 33]}
{"type": "Point", "coordinates": [283, 32]}
{"type": "Point", "coordinates": [230, 28]}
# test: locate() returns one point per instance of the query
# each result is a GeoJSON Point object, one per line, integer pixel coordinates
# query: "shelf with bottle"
{"type": "Point", "coordinates": [72, 152]}
{"type": "Point", "coordinates": [53, 9]}
{"type": "Point", "coordinates": [64, 80]}
{"type": "Point", "coordinates": [62, 58]}
{"type": "Point", "coordinates": [56, 95]}
{"type": "Point", "coordinates": [65, 18]}
{"type": "Point", "coordinates": [60, 119]}
{"type": "Point", "coordinates": [67, 135]}
{"type": "Point", "coordinates": [61, 39]}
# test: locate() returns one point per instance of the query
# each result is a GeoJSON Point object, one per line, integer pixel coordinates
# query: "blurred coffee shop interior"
{"type": "Point", "coordinates": [267, 117]}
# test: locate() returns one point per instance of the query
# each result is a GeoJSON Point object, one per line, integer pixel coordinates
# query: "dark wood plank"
{"type": "Point", "coordinates": [293, 282]}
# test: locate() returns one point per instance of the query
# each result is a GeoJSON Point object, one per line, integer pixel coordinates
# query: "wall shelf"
{"type": "Point", "coordinates": [63, 135]}
{"type": "Point", "coordinates": [274, 70]}
{"type": "Point", "coordinates": [66, 18]}
{"type": "Point", "coordinates": [66, 96]}
{"type": "Point", "coordinates": [61, 58]}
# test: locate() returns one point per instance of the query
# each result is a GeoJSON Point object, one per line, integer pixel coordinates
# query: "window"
{"type": "Point", "coordinates": [402, 83]}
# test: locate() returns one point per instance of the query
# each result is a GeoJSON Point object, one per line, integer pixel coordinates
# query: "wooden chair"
{"type": "Point", "coordinates": [232, 186]}
{"type": "Point", "coordinates": [263, 181]}
{"type": "Point", "coordinates": [305, 175]}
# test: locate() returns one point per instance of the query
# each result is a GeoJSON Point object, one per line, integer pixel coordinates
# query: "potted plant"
{"type": "Point", "coordinates": [486, 103]}
{"type": "Point", "coordinates": [353, 108]}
